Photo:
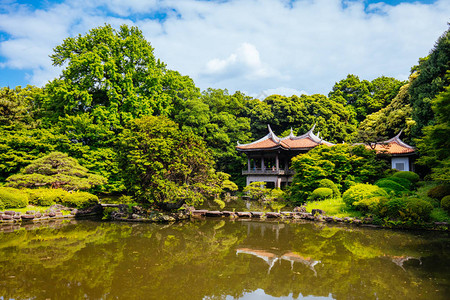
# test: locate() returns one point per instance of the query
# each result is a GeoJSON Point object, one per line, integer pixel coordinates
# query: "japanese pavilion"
{"type": "Point", "coordinates": [269, 158]}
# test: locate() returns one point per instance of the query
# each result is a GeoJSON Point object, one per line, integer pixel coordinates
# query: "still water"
{"type": "Point", "coordinates": [218, 259]}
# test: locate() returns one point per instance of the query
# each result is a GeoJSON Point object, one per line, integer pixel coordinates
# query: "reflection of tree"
{"type": "Point", "coordinates": [197, 260]}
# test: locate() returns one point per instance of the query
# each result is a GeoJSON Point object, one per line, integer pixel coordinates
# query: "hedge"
{"type": "Point", "coordinates": [439, 192]}
{"type": "Point", "coordinates": [79, 200]}
{"type": "Point", "coordinates": [12, 198]}
{"type": "Point", "coordinates": [327, 183]}
{"type": "Point", "coordinates": [321, 193]}
{"type": "Point", "coordinates": [46, 197]}
{"type": "Point", "coordinates": [362, 191]}
{"type": "Point", "coordinates": [445, 203]}
{"type": "Point", "coordinates": [390, 185]}
{"type": "Point", "coordinates": [411, 176]}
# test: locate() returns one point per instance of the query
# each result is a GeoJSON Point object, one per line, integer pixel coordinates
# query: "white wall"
{"type": "Point", "coordinates": [396, 163]}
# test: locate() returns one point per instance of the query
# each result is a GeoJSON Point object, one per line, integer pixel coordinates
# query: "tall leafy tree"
{"type": "Point", "coordinates": [431, 80]}
{"type": "Point", "coordinates": [434, 147]}
{"type": "Point", "coordinates": [164, 166]}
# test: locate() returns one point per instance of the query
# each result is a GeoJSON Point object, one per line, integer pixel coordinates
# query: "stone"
{"type": "Point", "coordinates": [257, 214]}
{"type": "Point", "coordinates": [10, 212]}
{"type": "Point", "coordinates": [30, 212]}
{"type": "Point", "coordinates": [273, 215]}
{"type": "Point", "coordinates": [338, 220]}
{"type": "Point", "coordinates": [227, 213]}
{"type": "Point", "coordinates": [213, 213]}
{"type": "Point", "coordinates": [134, 216]}
{"type": "Point", "coordinates": [27, 217]}
{"type": "Point", "coordinates": [244, 214]}
{"type": "Point", "coordinates": [441, 223]}
{"type": "Point", "coordinates": [38, 215]}
{"type": "Point", "coordinates": [301, 209]}
{"type": "Point", "coordinates": [329, 219]}
{"type": "Point", "coordinates": [368, 220]}
{"type": "Point", "coordinates": [16, 217]}
{"type": "Point", "coordinates": [357, 221]}
{"type": "Point", "coordinates": [317, 212]}
{"type": "Point", "coordinates": [51, 214]}
{"type": "Point", "coordinates": [199, 212]}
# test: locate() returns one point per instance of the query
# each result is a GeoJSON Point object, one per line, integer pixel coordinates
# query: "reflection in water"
{"type": "Point", "coordinates": [218, 259]}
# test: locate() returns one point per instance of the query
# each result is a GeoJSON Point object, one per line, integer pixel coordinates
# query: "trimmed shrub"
{"type": "Point", "coordinates": [439, 192]}
{"type": "Point", "coordinates": [362, 191]}
{"type": "Point", "coordinates": [390, 185]}
{"type": "Point", "coordinates": [46, 197]}
{"type": "Point", "coordinates": [418, 209]}
{"type": "Point", "coordinates": [321, 193]}
{"type": "Point", "coordinates": [403, 182]}
{"type": "Point", "coordinates": [370, 204]}
{"type": "Point", "coordinates": [327, 183]}
{"type": "Point", "coordinates": [445, 203]}
{"type": "Point", "coordinates": [411, 176]}
{"type": "Point", "coordinates": [79, 200]}
{"type": "Point", "coordinates": [12, 198]}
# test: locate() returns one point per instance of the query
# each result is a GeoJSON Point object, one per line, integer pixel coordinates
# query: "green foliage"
{"type": "Point", "coordinates": [46, 197]}
{"type": "Point", "coordinates": [390, 185]}
{"type": "Point", "coordinates": [12, 198]}
{"type": "Point", "coordinates": [321, 193]}
{"type": "Point", "coordinates": [411, 176]}
{"type": "Point", "coordinates": [79, 200]}
{"type": "Point", "coordinates": [439, 192]}
{"type": "Point", "coordinates": [219, 202]}
{"type": "Point", "coordinates": [402, 181]}
{"type": "Point", "coordinates": [362, 191]}
{"type": "Point", "coordinates": [440, 215]}
{"type": "Point", "coordinates": [257, 190]}
{"type": "Point", "coordinates": [227, 184]}
{"type": "Point", "coordinates": [364, 97]}
{"type": "Point", "coordinates": [277, 195]}
{"type": "Point", "coordinates": [334, 119]}
{"type": "Point", "coordinates": [165, 166]}
{"type": "Point", "coordinates": [434, 146]}
{"type": "Point", "coordinates": [445, 203]}
{"type": "Point", "coordinates": [431, 80]}
{"type": "Point", "coordinates": [388, 121]}
{"type": "Point", "coordinates": [327, 183]}
{"type": "Point", "coordinates": [343, 164]}
{"type": "Point", "coordinates": [56, 170]}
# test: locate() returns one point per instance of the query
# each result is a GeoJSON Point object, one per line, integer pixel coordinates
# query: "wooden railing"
{"type": "Point", "coordinates": [259, 171]}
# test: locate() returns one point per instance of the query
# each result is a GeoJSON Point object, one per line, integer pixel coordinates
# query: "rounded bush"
{"type": "Point", "coordinates": [418, 209]}
{"type": "Point", "coordinates": [391, 185]}
{"type": "Point", "coordinates": [411, 176]}
{"type": "Point", "coordinates": [362, 191]}
{"type": "Point", "coordinates": [403, 182]}
{"type": "Point", "coordinates": [79, 200]}
{"type": "Point", "coordinates": [439, 192]}
{"type": "Point", "coordinates": [321, 194]}
{"type": "Point", "coordinates": [46, 197]}
{"type": "Point", "coordinates": [12, 198]}
{"type": "Point", "coordinates": [445, 203]}
{"type": "Point", "coordinates": [327, 183]}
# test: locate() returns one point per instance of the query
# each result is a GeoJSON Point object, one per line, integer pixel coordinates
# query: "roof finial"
{"type": "Point", "coordinates": [398, 135]}
{"type": "Point", "coordinates": [312, 129]}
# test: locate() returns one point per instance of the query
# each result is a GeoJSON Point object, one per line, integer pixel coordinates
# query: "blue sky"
{"type": "Point", "coordinates": [259, 47]}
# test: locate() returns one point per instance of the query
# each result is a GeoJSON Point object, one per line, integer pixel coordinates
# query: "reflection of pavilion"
{"type": "Point", "coordinates": [307, 261]}
{"type": "Point", "coordinates": [268, 257]}
{"type": "Point", "coordinates": [271, 258]}
{"type": "Point", "coordinates": [262, 227]}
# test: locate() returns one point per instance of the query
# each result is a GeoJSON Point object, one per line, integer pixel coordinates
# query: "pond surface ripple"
{"type": "Point", "coordinates": [221, 259]}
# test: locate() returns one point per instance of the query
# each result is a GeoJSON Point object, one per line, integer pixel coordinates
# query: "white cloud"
{"type": "Point", "coordinates": [247, 45]}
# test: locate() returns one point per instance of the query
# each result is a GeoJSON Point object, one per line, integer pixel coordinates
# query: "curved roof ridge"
{"type": "Point", "coordinates": [398, 141]}
{"type": "Point", "coordinates": [267, 136]}
{"type": "Point", "coordinates": [273, 136]}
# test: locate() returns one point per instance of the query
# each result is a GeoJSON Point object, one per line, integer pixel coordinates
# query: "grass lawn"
{"type": "Point", "coordinates": [333, 207]}
{"type": "Point", "coordinates": [34, 208]}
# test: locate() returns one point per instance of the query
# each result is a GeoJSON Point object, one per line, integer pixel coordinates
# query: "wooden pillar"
{"type": "Point", "coordinates": [248, 164]}
{"type": "Point", "coordinates": [263, 167]}
{"type": "Point", "coordinates": [277, 163]}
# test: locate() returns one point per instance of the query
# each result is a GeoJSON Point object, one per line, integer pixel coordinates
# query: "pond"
{"type": "Point", "coordinates": [221, 259]}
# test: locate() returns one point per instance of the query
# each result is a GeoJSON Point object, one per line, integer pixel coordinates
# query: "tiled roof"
{"type": "Point", "coordinates": [307, 141]}
{"type": "Point", "coordinates": [393, 146]}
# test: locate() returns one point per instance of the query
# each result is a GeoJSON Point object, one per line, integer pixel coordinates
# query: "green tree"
{"type": "Point", "coordinates": [388, 121]}
{"type": "Point", "coordinates": [365, 97]}
{"type": "Point", "coordinates": [431, 80]}
{"type": "Point", "coordinates": [164, 166]}
{"type": "Point", "coordinates": [55, 170]}
{"type": "Point", "coordinates": [342, 164]}
{"type": "Point", "coordinates": [434, 147]}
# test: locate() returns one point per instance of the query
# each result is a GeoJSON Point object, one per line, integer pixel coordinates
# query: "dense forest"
{"type": "Point", "coordinates": [124, 116]}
